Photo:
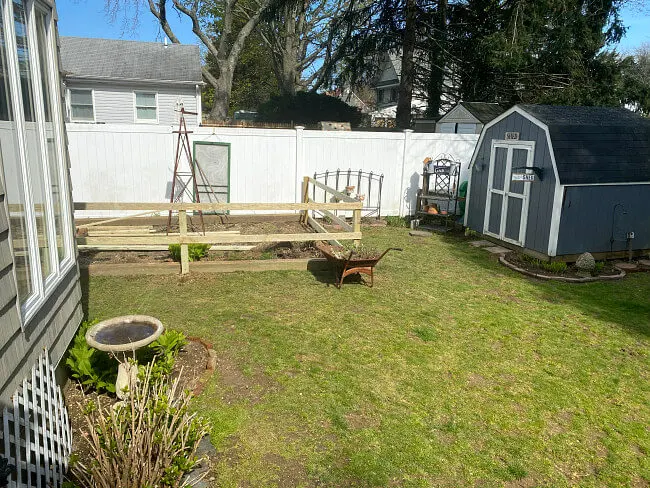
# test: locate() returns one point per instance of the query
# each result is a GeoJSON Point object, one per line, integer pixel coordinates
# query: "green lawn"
{"type": "Point", "coordinates": [451, 371]}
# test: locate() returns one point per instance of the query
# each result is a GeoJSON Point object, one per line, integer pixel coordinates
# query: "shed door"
{"type": "Point", "coordinates": [212, 166]}
{"type": "Point", "coordinates": [507, 200]}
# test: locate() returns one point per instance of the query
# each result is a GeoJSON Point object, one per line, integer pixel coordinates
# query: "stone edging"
{"type": "Point", "coordinates": [565, 279]}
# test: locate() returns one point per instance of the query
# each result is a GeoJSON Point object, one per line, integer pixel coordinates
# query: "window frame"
{"type": "Point", "coordinates": [136, 106]}
{"type": "Point", "coordinates": [92, 100]}
{"type": "Point", "coordinates": [42, 288]}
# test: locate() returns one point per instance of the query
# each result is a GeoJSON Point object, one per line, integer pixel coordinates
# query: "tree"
{"type": "Point", "coordinates": [213, 22]}
{"type": "Point", "coordinates": [308, 108]}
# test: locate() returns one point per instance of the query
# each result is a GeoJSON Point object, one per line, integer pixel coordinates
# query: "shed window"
{"type": "Point", "coordinates": [466, 129]}
{"type": "Point", "coordinates": [380, 96]}
{"type": "Point", "coordinates": [32, 162]}
{"type": "Point", "coordinates": [81, 105]}
{"type": "Point", "coordinates": [146, 107]}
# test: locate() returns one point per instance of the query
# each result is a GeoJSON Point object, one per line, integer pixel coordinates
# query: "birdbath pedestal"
{"type": "Point", "coordinates": [122, 336]}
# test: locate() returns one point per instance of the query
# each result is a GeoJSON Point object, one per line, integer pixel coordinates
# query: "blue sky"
{"type": "Point", "coordinates": [87, 18]}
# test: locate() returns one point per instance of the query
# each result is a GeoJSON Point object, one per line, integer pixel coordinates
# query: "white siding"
{"type": "Point", "coordinates": [115, 103]}
{"type": "Point", "coordinates": [131, 163]}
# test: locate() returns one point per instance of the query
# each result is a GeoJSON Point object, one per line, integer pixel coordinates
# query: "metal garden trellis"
{"type": "Point", "coordinates": [366, 183]}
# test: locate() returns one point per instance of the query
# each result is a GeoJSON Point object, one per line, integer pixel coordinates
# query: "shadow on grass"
{"type": "Point", "coordinates": [326, 273]}
{"type": "Point", "coordinates": [625, 302]}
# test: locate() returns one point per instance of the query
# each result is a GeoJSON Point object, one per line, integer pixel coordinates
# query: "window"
{"type": "Point", "coordinates": [81, 106]}
{"type": "Point", "coordinates": [466, 129]}
{"type": "Point", "coordinates": [393, 94]}
{"type": "Point", "coordinates": [31, 153]}
{"type": "Point", "coordinates": [380, 96]}
{"type": "Point", "coordinates": [146, 107]}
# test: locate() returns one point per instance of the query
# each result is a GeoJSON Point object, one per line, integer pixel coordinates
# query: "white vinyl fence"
{"type": "Point", "coordinates": [134, 163]}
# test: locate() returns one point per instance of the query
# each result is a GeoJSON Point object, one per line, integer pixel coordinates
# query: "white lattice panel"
{"type": "Point", "coordinates": [36, 435]}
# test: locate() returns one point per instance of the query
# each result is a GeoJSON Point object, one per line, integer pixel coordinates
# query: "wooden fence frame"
{"type": "Point", "coordinates": [343, 202]}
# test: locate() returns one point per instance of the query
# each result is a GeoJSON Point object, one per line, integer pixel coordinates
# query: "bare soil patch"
{"type": "Point", "coordinates": [238, 386]}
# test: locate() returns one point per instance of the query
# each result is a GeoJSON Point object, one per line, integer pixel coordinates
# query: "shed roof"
{"type": "Point", "coordinates": [114, 59]}
{"type": "Point", "coordinates": [596, 145]}
{"type": "Point", "coordinates": [483, 111]}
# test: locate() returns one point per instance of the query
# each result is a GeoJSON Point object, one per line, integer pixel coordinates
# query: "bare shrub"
{"type": "Point", "coordinates": [149, 440]}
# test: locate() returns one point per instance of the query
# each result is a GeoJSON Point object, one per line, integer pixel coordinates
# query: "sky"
{"type": "Point", "coordinates": [88, 18]}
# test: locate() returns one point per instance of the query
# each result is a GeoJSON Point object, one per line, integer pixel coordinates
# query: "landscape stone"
{"type": "Point", "coordinates": [420, 233]}
{"type": "Point", "coordinates": [644, 263]}
{"type": "Point", "coordinates": [480, 243]}
{"type": "Point", "coordinates": [497, 250]}
{"type": "Point", "coordinates": [626, 266]}
{"type": "Point", "coordinates": [586, 262]}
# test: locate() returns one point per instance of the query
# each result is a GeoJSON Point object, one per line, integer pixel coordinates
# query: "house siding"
{"type": "Point", "coordinates": [115, 103]}
{"type": "Point", "coordinates": [542, 191]}
{"type": "Point", "coordinates": [589, 218]}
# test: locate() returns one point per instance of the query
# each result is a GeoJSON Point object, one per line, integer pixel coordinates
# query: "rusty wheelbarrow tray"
{"type": "Point", "coordinates": [351, 265]}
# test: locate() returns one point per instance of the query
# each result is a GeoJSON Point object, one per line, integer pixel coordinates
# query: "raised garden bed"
{"type": "Point", "coordinates": [558, 270]}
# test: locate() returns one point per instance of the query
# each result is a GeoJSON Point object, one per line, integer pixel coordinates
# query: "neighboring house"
{"type": "Point", "coordinates": [40, 295]}
{"type": "Point", "coordinates": [468, 117]}
{"type": "Point", "coordinates": [386, 87]}
{"type": "Point", "coordinates": [111, 81]}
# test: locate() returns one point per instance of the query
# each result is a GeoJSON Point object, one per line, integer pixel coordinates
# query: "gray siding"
{"type": "Point", "coordinates": [541, 193]}
{"type": "Point", "coordinates": [588, 218]}
{"type": "Point", "coordinates": [53, 325]}
{"type": "Point", "coordinates": [115, 103]}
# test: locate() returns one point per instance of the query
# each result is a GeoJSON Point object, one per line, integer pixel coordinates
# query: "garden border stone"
{"type": "Point", "coordinates": [565, 279]}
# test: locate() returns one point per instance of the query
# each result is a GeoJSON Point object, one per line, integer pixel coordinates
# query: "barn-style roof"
{"type": "Point", "coordinates": [594, 145]}
{"type": "Point", "coordinates": [114, 59]}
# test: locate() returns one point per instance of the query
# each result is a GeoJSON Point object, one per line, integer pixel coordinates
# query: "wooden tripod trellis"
{"type": "Point", "coordinates": [183, 148]}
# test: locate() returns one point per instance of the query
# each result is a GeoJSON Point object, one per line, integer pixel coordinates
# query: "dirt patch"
{"type": "Point", "coordinates": [560, 423]}
{"type": "Point", "coordinates": [237, 386]}
{"type": "Point", "coordinates": [291, 472]}
{"type": "Point", "coordinates": [476, 380]}
{"type": "Point", "coordinates": [526, 482]}
{"type": "Point", "coordinates": [361, 420]}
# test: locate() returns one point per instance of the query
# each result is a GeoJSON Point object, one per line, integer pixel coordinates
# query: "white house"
{"type": "Point", "coordinates": [110, 81]}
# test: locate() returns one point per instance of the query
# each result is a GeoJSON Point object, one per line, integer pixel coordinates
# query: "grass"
{"type": "Point", "coordinates": [451, 371]}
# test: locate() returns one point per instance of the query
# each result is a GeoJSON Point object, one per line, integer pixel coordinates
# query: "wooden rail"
{"type": "Point", "coordinates": [184, 238]}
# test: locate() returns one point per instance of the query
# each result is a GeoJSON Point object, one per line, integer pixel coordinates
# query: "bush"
{"type": "Point", "coordinates": [195, 251]}
{"type": "Point", "coordinates": [555, 267]}
{"type": "Point", "coordinates": [150, 440]}
{"type": "Point", "coordinates": [97, 370]}
{"type": "Point", "coordinates": [308, 108]}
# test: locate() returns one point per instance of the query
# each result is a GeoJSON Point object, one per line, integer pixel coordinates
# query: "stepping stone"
{"type": "Point", "coordinates": [480, 243]}
{"type": "Point", "coordinates": [627, 266]}
{"type": "Point", "coordinates": [644, 263]}
{"type": "Point", "coordinates": [497, 250]}
{"type": "Point", "coordinates": [420, 233]}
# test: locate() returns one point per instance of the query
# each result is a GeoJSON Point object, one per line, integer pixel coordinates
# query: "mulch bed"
{"type": "Point", "coordinates": [191, 365]}
{"type": "Point", "coordinates": [523, 264]}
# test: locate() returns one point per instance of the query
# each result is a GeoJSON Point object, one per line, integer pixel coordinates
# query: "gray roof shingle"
{"type": "Point", "coordinates": [595, 145]}
{"type": "Point", "coordinates": [130, 60]}
{"type": "Point", "coordinates": [484, 111]}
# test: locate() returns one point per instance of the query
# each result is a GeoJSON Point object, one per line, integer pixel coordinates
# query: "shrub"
{"type": "Point", "coordinates": [93, 369]}
{"type": "Point", "coordinates": [308, 108]}
{"type": "Point", "coordinates": [150, 440]}
{"type": "Point", "coordinates": [195, 251]}
{"type": "Point", "coordinates": [600, 266]}
{"type": "Point", "coordinates": [97, 370]}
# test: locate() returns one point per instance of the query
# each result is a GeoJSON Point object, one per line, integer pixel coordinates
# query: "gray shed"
{"type": "Point", "coordinates": [558, 181]}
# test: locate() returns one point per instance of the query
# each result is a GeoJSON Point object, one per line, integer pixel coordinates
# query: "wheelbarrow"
{"type": "Point", "coordinates": [350, 265]}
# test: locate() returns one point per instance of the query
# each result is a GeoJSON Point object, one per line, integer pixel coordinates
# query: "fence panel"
{"type": "Point", "coordinates": [130, 163]}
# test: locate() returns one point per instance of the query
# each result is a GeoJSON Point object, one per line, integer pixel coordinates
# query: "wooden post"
{"type": "Point", "coordinates": [356, 224]}
{"type": "Point", "coordinates": [185, 255]}
{"type": "Point", "coordinates": [305, 198]}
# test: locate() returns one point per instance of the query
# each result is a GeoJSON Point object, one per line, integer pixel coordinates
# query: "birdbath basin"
{"type": "Point", "coordinates": [124, 335]}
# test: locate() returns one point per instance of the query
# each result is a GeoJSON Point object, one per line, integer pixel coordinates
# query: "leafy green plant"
{"type": "Point", "coordinates": [94, 369]}
{"type": "Point", "coordinates": [600, 266]}
{"type": "Point", "coordinates": [396, 221]}
{"type": "Point", "coordinates": [151, 440]}
{"type": "Point", "coordinates": [195, 251]}
{"type": "Point", "coordinates": [555, 267]}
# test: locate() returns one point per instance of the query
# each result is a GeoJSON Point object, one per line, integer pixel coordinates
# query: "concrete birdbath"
{"type": "Point", "coordinates": [124, 335]}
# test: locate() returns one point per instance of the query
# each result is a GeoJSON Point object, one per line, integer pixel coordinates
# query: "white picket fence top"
{"type": "Point", "coordinates": [36, 436]}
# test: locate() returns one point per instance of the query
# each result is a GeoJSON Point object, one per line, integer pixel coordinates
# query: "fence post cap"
{"type": "Point", "coordinates": [299, 127]}
{"type": "Point", "coordinates": [408, 131]}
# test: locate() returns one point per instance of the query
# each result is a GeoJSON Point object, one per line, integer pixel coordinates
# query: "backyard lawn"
{"type": "Point", "coordinates": [451, 371]}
